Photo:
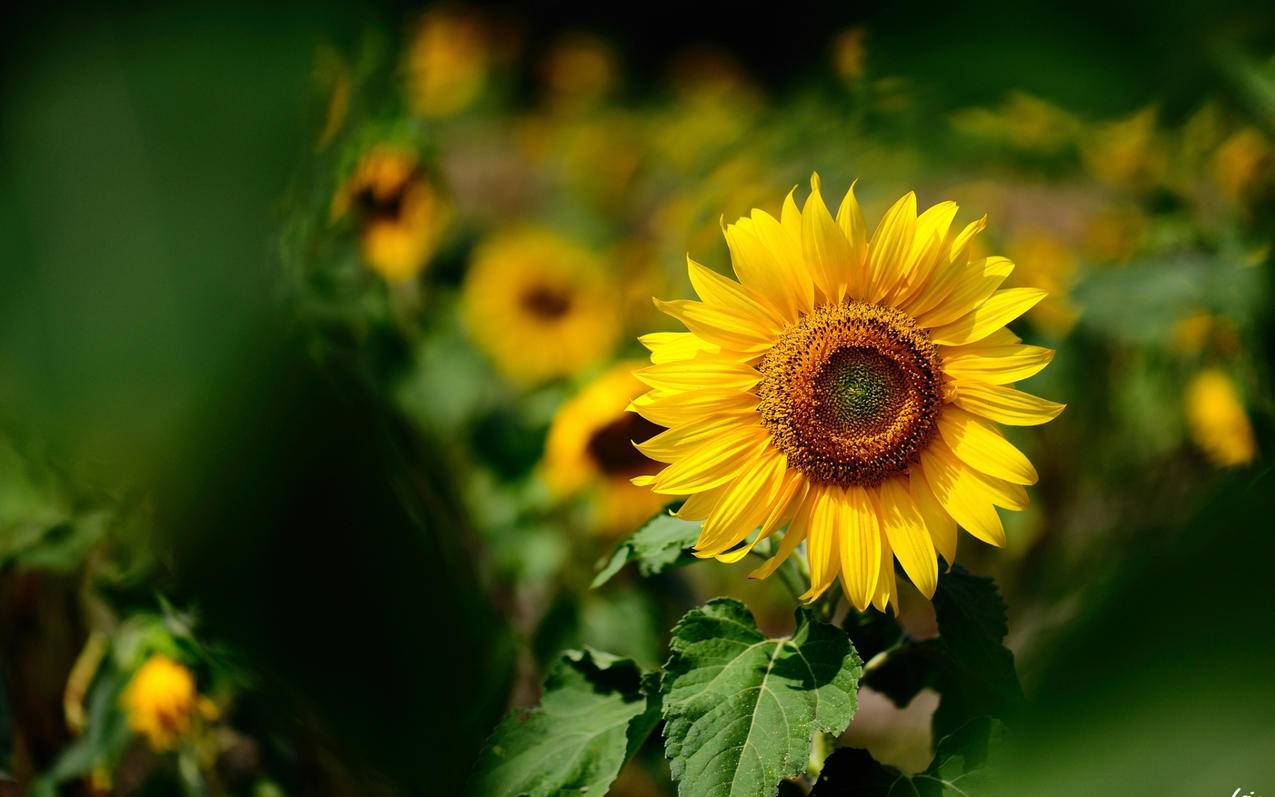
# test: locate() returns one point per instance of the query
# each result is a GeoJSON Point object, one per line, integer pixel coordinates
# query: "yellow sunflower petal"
{"type": "Point", "coordinates": [887, 590]}
{"type": "Point", "coordinates": [996, 365]}
{"type": "Point", "coordinates": [860, 547]}
{"type": "Point", "coordinates": [1003, 307]}
{"type": "Point", "coordinates": [784, 246]}
{"type": "Point", "coordinates": [907, 535]}
{"type": "Point", "coordinates": [928, 250]}
{"type": "Point", "coordinates": [890, 244]}
{"type": "Point", "coordinates": [759, 270]}
{"type": "Point", "coordinates": [959, 250]}
{"type": "Point", "coordinates": [791, 494]}
{"type": "Point", "coordinates": [668, 347]}
{"type": "Point", "coordinates": [724, 328]}
{"type": "Point", "coordinates": [693, 374]}
{"type": "Point", "coordinates": [711, 465]}
{"type": "Point", "coordinates": [939, 523]}
{"type": "Point", "coordinates": [727, 294]}
{"type": "Point", "coordinates": [1006, 405]}
{"type": "Point", "coordinates": [850, 220]}
{"type": "Point", "coordinates": [826, 249]}
{"type": "Point", "coordinates": [743, 506]}
{"type": "Point", "coordinates": [974, 283]}
{"type": "Point", "coordinates": [961, 497]}
{"type": "Point", "coordinates": [700, 505]}
{"type": "Point", "coordinates": [670, 444]}
{"type": "Point", "coordinates": [793, 537]}
{"type": "Point", "coordinates": [676, 409]}
{"type": "Point", "coordinates": [978, 444]}
{"type": "Point", "coordinates": [823, 542]}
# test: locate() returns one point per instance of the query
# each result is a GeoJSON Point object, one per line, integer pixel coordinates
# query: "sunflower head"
{"type": "Point", "coordinates": [447, 63]}
{"type": "Point", "coordinates": [400, 213]}
{"type": "Point", "coordinates": [590, 448]}
{"type": "Point", "coordinates": [539, 305]}
{"type": "Point", "coordinates": [162, 703]}
{"type": "Point", "coordinates": [844, 393]}
{"type": "Point", "coordinates": [1217, 419]}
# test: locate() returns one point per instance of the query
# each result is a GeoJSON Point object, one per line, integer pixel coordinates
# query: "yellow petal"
{"type": "Point", "coordinates": [1003, 307]}
{"type": "Point", "coordinates": [939, 523]}
{"type": "Point", "coordinates": [907, 535]}
{"type": "Point", "coordinates": [981, 446]}
{"type": "Point", "coordinates": [791, 494]}
{"type": "Point", "coordinates": [700, 505]}
{"type": "Point", "coordinates": [996, 365]}
{"type": "Point", "coordinates": [676, 409]}
{"type": "Point", "coordinates": [850, 220]}
{"type": "Point", "coordinates": [669, 445]}
{"type": "Point", "coordinates": [725, 293]}
{"type": "Point", "coordinates": [793, 537]}
{"type": "Point", "coordinates": [887, 590]}
{"type": "Point", "coordinates": [890, 246]}
{"type": "Point", "coordinates": [710, 465]}
{"type": "Point", "coordinates": [973, 284]}
{"type": "Point", "coordinates": [684, 375]}
{"type": "Point", "coordinates": [959, 250]}
{"type": "Point", "coordinates": [961, 497]}
{"type": "Point", "coordinates": [928, 249]}
{"type": "Point", "coordinates": [784, 244]}
{"type": "Point", "coordinates": [822, 543]}
{"type": "Point", "coordinates": [744, 504]}
{"type": "Point", "coordinates": [672, 346]}
{"type": "Point", "coordinates": [724, 328]}
{"type": "Point", "coordinates": [1006, 404]}
{"type": "Point", "coordinates": [860, 546]}
{"type": "Point", "coordinates": [759, 270]}
{"type": "Point", "coordinates": [827, 252]}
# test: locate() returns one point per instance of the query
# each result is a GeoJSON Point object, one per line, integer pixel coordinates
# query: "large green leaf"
{"type": "Point", "coordinates": [664, 541]}
{"type": "Point", "coordinates": [592, 718]}
{"type": "Point", "coordinates": [741, 709]}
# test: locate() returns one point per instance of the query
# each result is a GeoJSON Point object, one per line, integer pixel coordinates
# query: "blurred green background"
{"type": "Point", "coordinates": [246, 429]}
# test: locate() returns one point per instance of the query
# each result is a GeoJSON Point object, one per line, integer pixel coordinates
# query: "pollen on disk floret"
{"type": "Point", "coordinates": [851, 393]}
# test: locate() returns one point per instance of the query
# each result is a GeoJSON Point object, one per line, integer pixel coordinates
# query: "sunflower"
{"type": "Point", "coordinates": [1219, 424]}
{"type": "Point", "coordinates": [401, 215]}
{"type": "Point", "coordinates": [590, 449]}
{"type": "Point", "coordinates": [539, 305]}
{"type": "Point", "coordinates": [447, 63]}
{"type": "Point", "coordinates": [161, 702]}
{"type": "Point", "coordinates": [846, 388]}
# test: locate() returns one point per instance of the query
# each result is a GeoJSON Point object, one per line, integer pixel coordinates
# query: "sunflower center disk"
{"type": "Point", "coordinates": [612, 447]}
{"type": "Point", "coordinates": [851, 393]}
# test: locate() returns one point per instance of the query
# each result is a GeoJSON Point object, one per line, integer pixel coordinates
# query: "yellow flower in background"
{"type": "Point", "coordinates": [1023, 121]}
{"type": "Point", "coordinates": [847, 387]}
{"type": "Point", "coordinates": [1242, 165]}
{"type": "Point", "coordinates": [580, 69]}
{"type": "Point", "coordinates": [1127, 153]}
{"type": "Point", "coordinates": [1217, 419]}
{"type": "Point", "coordinates": [850, 53]}
{"type": "Point", "coordinates": [590, 447]}
{"type": "Point", "coordinates": [400, 212]}
{"type": "Point", "coordinates": [447, 63]}
{"type": "Point", "coordinates": [1045, 262]}
{"type": "Point", "coordinates": [539, 305]}
{"type": "Point", "coordinates": [162, 703]}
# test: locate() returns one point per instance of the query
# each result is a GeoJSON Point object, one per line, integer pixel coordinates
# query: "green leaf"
{"type": "Point", "coordinates": [741, 709]}
{"type": "Point", "coordinates": [664, 541]}
{"type": "Point", "coordinates": [593, 717]}
{"type": "Point", "coordinates": [978, 678]}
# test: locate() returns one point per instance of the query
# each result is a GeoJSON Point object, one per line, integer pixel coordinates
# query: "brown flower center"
{"type": "Point", "coordinates": [851, 393]}
{"type": "Point", "coordinates": [546, 302]}
{"type": "Point", "coordinates": [612, 448]}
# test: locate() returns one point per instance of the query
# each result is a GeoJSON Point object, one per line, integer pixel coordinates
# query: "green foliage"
{"type": "Point", "coordinates": [741, 709]}
{"type": "Point", "coordinates": [662, 543]}
{"type": "Point", "coordinates": [595, 714]}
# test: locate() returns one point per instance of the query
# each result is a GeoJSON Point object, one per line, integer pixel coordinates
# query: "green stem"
{"type": "Point", "coordinates": [820, 748]}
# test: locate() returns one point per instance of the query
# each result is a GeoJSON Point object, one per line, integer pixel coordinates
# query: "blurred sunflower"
{"type": "Point", "coordinates": [1218, 422]}
{"type": "Point", "coordinates": [846, 387]}
{"type": "Point", "coordinates": [400, 213]}
{"type": "Point", "coordinates": [539, 305]}
{"type": "Point", "coordinates": [590, 447]}
{"type": "Point", "coordinates": [447, 63]}
{"type": "Point", "coordinates": [161, 702]}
